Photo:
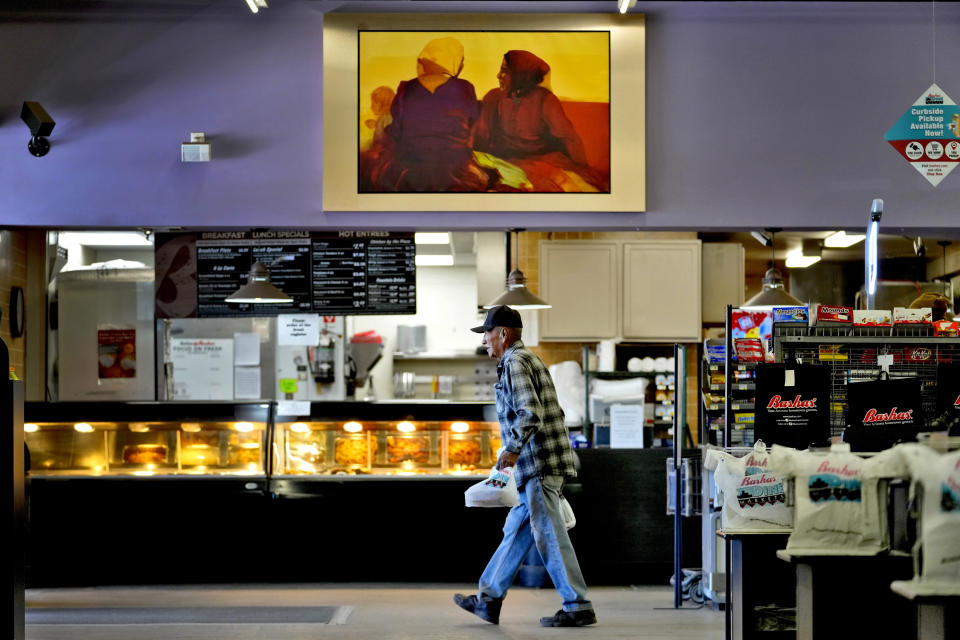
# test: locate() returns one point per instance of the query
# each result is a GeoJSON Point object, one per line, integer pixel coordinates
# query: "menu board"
{"type": "Point", "coordinates": [364, 272]}
{"type": "Point", "coordinates": [331, 273]}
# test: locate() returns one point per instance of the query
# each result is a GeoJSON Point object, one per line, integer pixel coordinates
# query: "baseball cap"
{"type": "Point", "coordinates": [499, 316]}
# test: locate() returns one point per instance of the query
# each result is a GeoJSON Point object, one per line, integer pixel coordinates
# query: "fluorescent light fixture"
{"type": "Point", "coordinates": [626, 5]}
{"type": "Point", "coordinates": [434, 261]}
{"type": "Point", "coordinates": [256, 5]}
{"type": "Point", "coordinates": [842, 240]}
{"type": "Point", "coordinates": [796, 259]}
{"type": "Point", "coordinates": [406, 427]}
{"type": "Point", "coordinates": [30, 427]}
{"type": "Point", "coordinates": [243, 427]}
{"type": "Point", "coordinates": [442, 237]}
{"type": "Point", "coordinates": [299, 427]}
{"type": "Point", "coordinates": [460, 427]}
{"type": "Point", "coordinates": [106, 238]}
{"type": "Point", "coordinates": [873, 230]}
{"type": "Point", "coordinates": [353, 427]}
{"type": "Point", "coordinates": [83, 427]}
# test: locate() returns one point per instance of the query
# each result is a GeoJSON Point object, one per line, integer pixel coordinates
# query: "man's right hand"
{"type": "Point", "coordinates": [507, 459]}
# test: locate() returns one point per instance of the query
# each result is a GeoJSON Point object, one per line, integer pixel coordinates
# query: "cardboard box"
{"type": "Point", "coordinates": [903, 315]}
{"type": "Point", "coordinates": [796, 315]}
{"type": "Point", "coordinates": [749, 349]}
{"type": "Point", "coordinates": [872, 318]}
{"type": "Point", "coordinates": [834, 315]}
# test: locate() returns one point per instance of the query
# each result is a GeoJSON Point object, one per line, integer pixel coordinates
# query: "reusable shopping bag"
{"type": "Point", "coordinates": [883, 412]}
{"type": "Point", "coordinates": [792, 404]}
{"type": "Point", "coordinates": [499, 489]}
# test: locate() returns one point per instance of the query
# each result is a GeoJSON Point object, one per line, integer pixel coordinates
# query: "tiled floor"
{"type": "Point", "coordinates": [377, 612]}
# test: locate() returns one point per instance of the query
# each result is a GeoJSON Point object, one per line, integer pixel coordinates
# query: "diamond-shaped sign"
{"type": "Point", "coordinates": [928, 135]}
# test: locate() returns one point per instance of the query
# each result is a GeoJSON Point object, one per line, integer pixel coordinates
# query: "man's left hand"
{"type": "Point", "coordinates": [507, 459]}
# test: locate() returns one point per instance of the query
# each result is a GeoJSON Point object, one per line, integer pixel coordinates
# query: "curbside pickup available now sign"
{"type": "Point", "coordinates": [928, 135]}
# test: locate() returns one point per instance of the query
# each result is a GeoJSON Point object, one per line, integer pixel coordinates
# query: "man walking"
{"type": "Point", "coordinates": [536, 444]}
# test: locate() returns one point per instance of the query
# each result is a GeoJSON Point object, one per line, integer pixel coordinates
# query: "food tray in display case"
{"type": "Point", "coordinates": [143, 442]}
{"type": "Point", "coordinates": [383, 447]}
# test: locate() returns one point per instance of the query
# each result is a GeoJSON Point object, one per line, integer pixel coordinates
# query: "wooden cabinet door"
{"type": "Point", "coordinates": [581, 279]}
{"type": "Point", "coordinates": [661, 290]}
{"type": "Point", "coordinates": [722, 279]}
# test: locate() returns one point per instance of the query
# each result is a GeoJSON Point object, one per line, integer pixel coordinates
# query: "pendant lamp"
{"type": "Point", "coordinates": [258, 289]}
{"type": "Point", "coordinates": [516, 295]}
{"type": "Point", "coordinates": [773, 294]}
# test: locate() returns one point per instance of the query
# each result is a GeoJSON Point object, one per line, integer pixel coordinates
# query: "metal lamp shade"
{"type": "Point", "coordinates": [258, 289]}
{"type": "Point", "coordinates": [773, 293]}
{"type": "Point", "coordinates": [517, 296]}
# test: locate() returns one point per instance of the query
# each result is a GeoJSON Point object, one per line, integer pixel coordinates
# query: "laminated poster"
{"type": "Point", "coordinates": [116, 351]}
{"type": "Point", "coordinates": [202, 368]}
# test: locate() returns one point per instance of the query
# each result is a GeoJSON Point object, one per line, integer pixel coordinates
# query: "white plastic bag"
{"type": "Point", "coordinates": [499, 489]}
{"type": "Point", "coordinates": [569, 519]}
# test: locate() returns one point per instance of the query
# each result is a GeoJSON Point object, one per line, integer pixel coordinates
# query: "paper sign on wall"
{"type": "Point", "coordinates": [928, 135]}
{"type": "Point", "coordinates": [298, 329]}
{"type": "Point", "coordinates": [202, 368]}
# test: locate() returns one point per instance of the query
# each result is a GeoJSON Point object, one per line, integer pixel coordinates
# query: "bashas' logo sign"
{"type": "Point", "coordinates": [893, 417]}
{"type": "Point", "coordinates": [779, 404]}
{"type": "Point", "coordinates": [934, 98]}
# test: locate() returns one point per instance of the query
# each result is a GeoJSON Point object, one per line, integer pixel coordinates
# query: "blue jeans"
{"type": "Point", "coordinates": [537, 520]}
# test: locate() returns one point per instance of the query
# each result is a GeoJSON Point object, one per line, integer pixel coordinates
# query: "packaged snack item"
{"type": "Point", "coordinates": [796, 315]}
{"type": "Point", "coordinates": [946, 328]}
{"type": "Point", "coordinates": [749, 349]}
{"type": "Point", "coordinates": [904, 315]}
{"type": "Point", "coordinates": [872, 318]}
{"type": "Point", "coordinates": [830, 314]}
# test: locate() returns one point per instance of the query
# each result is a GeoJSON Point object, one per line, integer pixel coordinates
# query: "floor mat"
{"type": "Point", "coordinates": [189, 615]}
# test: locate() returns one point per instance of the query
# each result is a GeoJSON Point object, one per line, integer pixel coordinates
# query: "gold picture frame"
{"type": "Point", "coordinates": [341, 101]}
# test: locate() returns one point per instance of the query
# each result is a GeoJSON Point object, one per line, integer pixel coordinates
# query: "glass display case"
{"type": "Point", "coordinates": [146, 440]}
{"type": "Point", "coordinates": [385, 447]}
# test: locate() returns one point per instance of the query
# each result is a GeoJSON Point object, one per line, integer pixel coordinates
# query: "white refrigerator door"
{"type": "Point", "coordinates": [106, 335]}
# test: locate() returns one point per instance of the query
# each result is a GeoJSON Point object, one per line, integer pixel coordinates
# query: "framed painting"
{"type": "Point", "coordinates": [493, 112]}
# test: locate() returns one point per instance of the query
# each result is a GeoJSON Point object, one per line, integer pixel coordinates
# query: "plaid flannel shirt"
{"type": "Point", "coordinates": [531, 420]}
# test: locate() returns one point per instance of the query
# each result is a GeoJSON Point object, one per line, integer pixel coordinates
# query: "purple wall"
{"type": "Point", "coordinates": [758, 114]}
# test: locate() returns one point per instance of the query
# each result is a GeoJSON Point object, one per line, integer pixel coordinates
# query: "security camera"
{"type": "Point", "coordinates": [919, 248]}
{"type": "Point", "coordinates": [40, 124]}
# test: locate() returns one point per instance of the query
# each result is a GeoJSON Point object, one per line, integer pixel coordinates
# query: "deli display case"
{"type": "Point", "coordinates": [146, 439]}
{"type": "Point", "coordinates": [191, 492]}
{"type": "Point", "coordinates": [386, 447]}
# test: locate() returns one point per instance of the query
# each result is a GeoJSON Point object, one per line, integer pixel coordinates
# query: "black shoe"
{"type": "Point", "coordinates": [485, 608]}
{"type": "Point", "coordinates": [570, 619]}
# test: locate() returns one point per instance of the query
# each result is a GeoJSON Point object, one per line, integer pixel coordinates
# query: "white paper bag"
{"type": "Point", "coordinates": [499, 489]}
{"type": "Point", "coordinates": [569, 519]}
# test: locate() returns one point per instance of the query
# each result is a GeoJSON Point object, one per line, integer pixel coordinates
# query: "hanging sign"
{"type": "Point", "coordinates": [928, 135]}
